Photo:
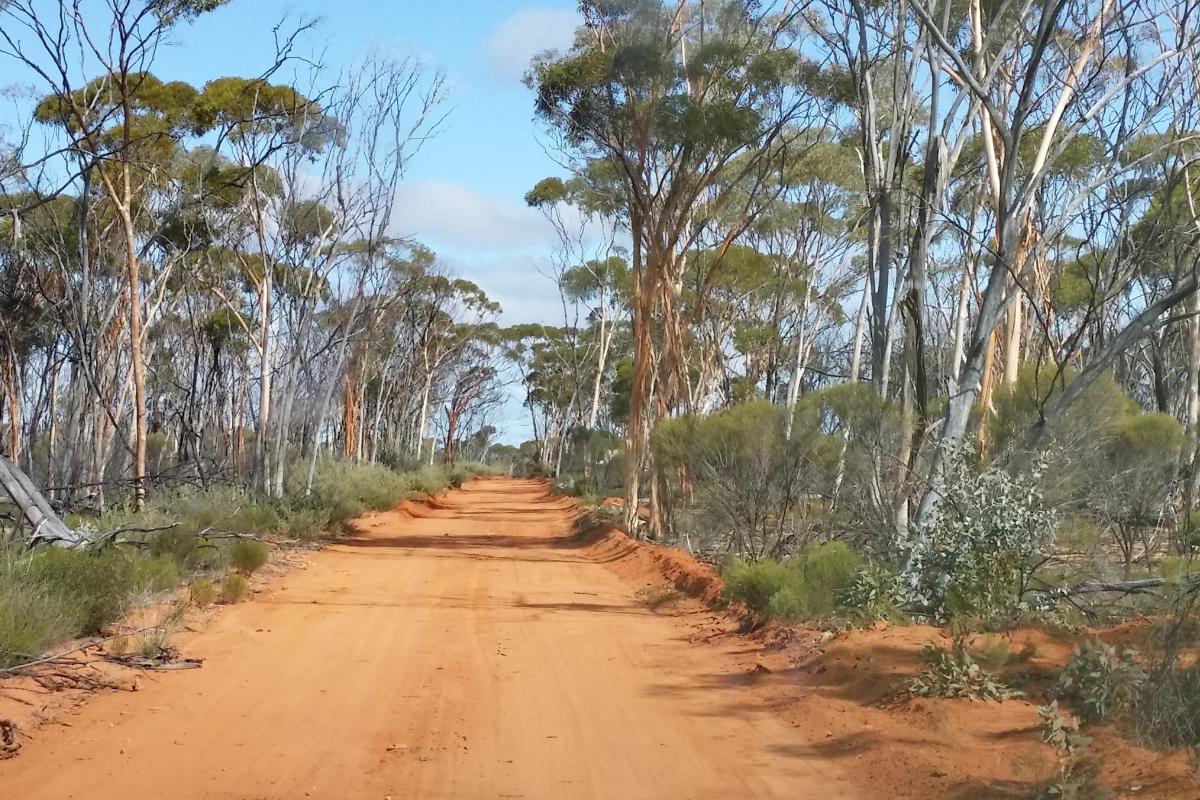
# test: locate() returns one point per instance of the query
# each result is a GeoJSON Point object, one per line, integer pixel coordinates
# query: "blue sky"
{"type": "Point", "coordinates": [463, 195]}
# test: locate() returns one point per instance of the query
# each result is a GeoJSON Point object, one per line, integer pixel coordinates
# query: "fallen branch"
{"type": "Point", "coordinates": [18, 669]}
{"type": "Point", "coordinates": [1141, 586]}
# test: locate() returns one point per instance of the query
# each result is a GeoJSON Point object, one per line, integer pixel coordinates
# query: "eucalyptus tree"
{"type": "Point", "coordinates": [683, 101]}
{"type": "Point", "coordinates": [1114, 78]}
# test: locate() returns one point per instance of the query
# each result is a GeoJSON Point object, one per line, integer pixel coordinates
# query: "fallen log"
{"type": "Point", "coordinates": [45, 526]}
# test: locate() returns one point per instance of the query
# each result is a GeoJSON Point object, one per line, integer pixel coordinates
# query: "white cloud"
{"type": "Point", "coordinates": [443, 213]}
{"type": "Point", "coordinates": [525, 34]}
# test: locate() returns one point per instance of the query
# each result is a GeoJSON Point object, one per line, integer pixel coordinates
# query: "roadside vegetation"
{"type": "Point", "coordinates": [213, 540]}
{"type": "Point", "coordinates": [891, 310]}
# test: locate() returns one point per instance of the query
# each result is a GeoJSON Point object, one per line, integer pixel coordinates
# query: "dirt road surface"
{"type": "Point", "coordinates": [473, 653]}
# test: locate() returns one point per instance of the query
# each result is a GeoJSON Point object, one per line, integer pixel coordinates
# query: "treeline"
{"type": "Point", "coordinates": [956, 224]}
{"type": "Point", "coordinates": [202, 284]}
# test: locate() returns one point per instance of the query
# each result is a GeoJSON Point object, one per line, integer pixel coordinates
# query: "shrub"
{"type": "Point", "coordinates": [155, 573]}
{"type": "Point", "coordinates": [248, 556]}
{"type": "Point", "coordinates": [1075, 778]}
{"type": "Point", "coordinates": [426, 481]}
{"type": "Point", "coordinates": [1167, 711]}
{"type": "Point", "coordinates": [810, 584]}
{"type": "Point", "coordinates": [754, 582]}
{"type": "Point", "coordinates": [305, 524]}
{"type": "Point", "coordinates": [99, 584]}
{"type": "Point", "coordinates": [876, 593]}
{"type": "Point", "coordinates": [953, 673]}
{"type": "Point", "coordinates": [976, 557]}
{"type": "Point", "coordinates": [33, 616]}
{"type": "Point", "coordinates": [254, 518]}
{"type": "Point", "coordinates": [202, 592]}
{"type": "Point", "coordinates": [818, 578]}
{"type": "Point", "coordinates": [234, 588]}
{"type": "Point", "coordinates": [749, 478]}
{"type": "Point", "coordinates": [348, 490]}
{"type": "Point", "coordinates": [1100, 681]}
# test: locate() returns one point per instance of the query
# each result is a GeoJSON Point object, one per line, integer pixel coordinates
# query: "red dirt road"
{"type": "Point", "coordinates": [471, 653]}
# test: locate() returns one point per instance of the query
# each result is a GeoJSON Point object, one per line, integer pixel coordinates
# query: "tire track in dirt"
{"type": "Point", "coordinates": [471, 651]}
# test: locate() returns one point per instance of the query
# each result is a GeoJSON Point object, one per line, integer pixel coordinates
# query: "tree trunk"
{"type": "Point", "coordinates": [45, 525]}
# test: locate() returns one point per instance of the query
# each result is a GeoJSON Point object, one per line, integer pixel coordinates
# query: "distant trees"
{"type": "Point", "coordinates": [203, 283]}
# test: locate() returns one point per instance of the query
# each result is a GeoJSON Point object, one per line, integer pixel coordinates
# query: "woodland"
{"type": "Point", "coordinates": [888, 307]}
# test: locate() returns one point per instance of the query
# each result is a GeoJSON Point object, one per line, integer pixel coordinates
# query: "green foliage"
{"type": "Point", "coordinates": [953, 673]}
{"type": "Point", "coordinates": [100, 585]}
{"type": "Point", "coordinates": [1100, 681]}
{"type": "Point", "coordinates": [975, 558]}
{"type": "Point", "coordinates": [348, 490]}
{"type": "Point", "coordinates": [754, 582]}
{"type": "Point", "coordinates": [248, 556]}
{"type": "Point", "coordinates": [876, 593]}
{"type": "Point", "coordinates": [202, 592]}
{"type": "Point", "coordinates": [53, 595]}
{"type": "Point", "coordinates": [234, 588]}
{"type": "Point", "coordinates": [1083, 429]}
{"type": "Point", "coordinates": [821, 574]}
{"type": "Point", "coordinates": [304, 524]}
{"type": "Point", "coordinates": [33, 616]}
{"type": "Point", "coordinates": [808, 585]}
{"type": "Point", "coordinates": [1075, 777]}
{"type": "Point", "coordinates": [751, 481]}
{"type": "Point", "coordinates": [155, 573]}
{"type": "Point", "coordinates": [1177, 569]}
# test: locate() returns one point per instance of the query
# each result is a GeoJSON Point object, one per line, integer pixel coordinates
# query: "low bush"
{"type": "Point", "coordinates": [234, 588]}
{"type": "Point", "coordinates": [808, 585]}
{"type": "Point", "coordinates": [202, 592]}
{"type": "Point", "coordinates": [977, 556]}
{"type": "Point", "coordinates": [155, 573]}
{"type": "Point", "coordinates": [305, 524]}
{"type": "Point", "coordinates": [33, 616]}
{"type": "Point", "coordinates": [248, 556]}
{"type": "Point", "coordinates": [1167, 710]}
{"type": "Point", "coordinates": [754, 582]}
{"type": "Point", "coordinates": [953, 673]}
{"type": "Point", "coordinates": [1100, 681]}
{"type": "Point", "coordinates": [875, 594]}
{"type": "Point", "coordinates": [1075, 774]}
{"type": "Point", "coordinates": [100, 585]}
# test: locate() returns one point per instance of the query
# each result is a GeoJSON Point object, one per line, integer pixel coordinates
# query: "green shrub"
{"type": "Point", "coordinates": [1075, 776]}
{"type": "Point", "coordinates": [33, 616]}
{"type": "Point", "coordinates": [876, 593]}
{"type": "Point", "coordinates": [155, 573]}
{"type": "Point", "coordinates": [808, 585]}
{"type": "Point", "coordinates": [202, 592]}
{"type": "Point", "coordinates": [99, 584]}
{"type": "Point", "coordinates": [305, 524]}
{"type": "Point", "coordinates": [181, 546]}
{"type": "Point", "coordinates": [953, 673]}
{"type": "Point", "coordinates": [248, 556]}
{"type": "Point", "coordinates": [747, 474]}
{"type": "Point", "coordinates": [976, 557]}
{"type": "Point", "coordinates": [255, 518]}
{"type": "Point", "coordinates": [234, 588]}
{"type": "Point", "coordinates": [1100, 681]}
{"type": "Point", "coordinates": [427, 481]}
{"type": "Point", "coordinates": [754, 582]}
{"type": "Point", "coordinates": [348, 490]}
{"type": "Point", "coordinates": [1175, 569]}
{"type": "Point", "coordinates": [345, 509]}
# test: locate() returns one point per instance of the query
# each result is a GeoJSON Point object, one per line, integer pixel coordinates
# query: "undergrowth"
{"type": "Point", "coordinates": [953, 673]}
{"type": "Point", "coordinates": [53, 595]}
{"type": "Point", "coordinates": [809, 585]}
